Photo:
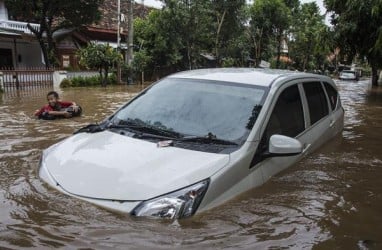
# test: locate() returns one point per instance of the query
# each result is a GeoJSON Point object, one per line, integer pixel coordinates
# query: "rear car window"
{"type": "Point", "coordinates": [317, 102]}
{"type": "Point", "coordinates": [332, 94]}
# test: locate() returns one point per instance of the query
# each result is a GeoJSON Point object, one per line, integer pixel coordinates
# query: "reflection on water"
{"type": "Point", "coordinates": [330, 200]}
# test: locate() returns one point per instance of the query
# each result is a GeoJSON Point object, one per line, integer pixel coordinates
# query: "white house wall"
{"type": "Point", "coordinates": [28, 54]}
{"type": "Point", "coordinates": [31, 55]}
{"type": "Point", "coordinates": [3, 11]}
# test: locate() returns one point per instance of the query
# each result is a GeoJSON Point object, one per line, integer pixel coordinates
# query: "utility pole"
{"type": "Point", "coordinates": [119, 25]}
{"type": "Point", "coordinates": [119, 39]}
{"type": "Point", "coordinates": [130, 40]}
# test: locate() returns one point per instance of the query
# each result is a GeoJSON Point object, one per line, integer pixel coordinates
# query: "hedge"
{"type": "Point", "coordinates": [80, 81]}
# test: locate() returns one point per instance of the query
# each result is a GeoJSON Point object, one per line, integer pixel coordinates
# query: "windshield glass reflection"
{"type": "Point", "coordinates": [195, 107]}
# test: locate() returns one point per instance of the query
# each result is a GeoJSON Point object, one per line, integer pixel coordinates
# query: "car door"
{"type": "Point", "coordinates": [287, 117]}
{"type": "Point", "coordinates": [319, 119]}
{"type": "Point", "coordinates": [336, 110]}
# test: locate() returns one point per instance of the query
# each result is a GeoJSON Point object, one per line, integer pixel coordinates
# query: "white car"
{"type": "Point", "coordinates": [348, 75]}
{"type": "Point", "coordinates": [196, 139]}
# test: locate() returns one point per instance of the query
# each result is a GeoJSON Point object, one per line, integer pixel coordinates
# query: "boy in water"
{"type": "Point", "coordinates": [56, 108]}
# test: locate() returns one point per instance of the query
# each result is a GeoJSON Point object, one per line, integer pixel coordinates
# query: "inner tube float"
{"type": "Point", "coordinates": [47, 116]}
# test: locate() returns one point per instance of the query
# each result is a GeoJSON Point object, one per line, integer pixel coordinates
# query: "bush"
{"type": "Point", "coordinates": [228, 62]}
{"type": "Point", "coordinates": [80, 81]}
{"type": "Point", "coordinates": [65, 83]}
{"type": "Point", "coordinates": [112, 79]}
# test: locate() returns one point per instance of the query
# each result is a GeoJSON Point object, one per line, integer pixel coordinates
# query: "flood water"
{"type": "Point", "coordinates": [332, 199]}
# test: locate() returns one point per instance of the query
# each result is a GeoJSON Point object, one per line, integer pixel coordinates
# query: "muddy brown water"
{"type": "Point", "coordinates": [332, 199]}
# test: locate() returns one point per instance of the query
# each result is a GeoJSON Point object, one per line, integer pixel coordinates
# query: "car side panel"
{"type": "Point", "coordinates": [234, 179]}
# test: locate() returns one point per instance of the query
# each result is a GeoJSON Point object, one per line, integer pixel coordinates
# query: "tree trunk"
{"type": "Point", "coordinates": [41, 41]}
{"type": "Point", "coordinates": [259, 48]}
{"type": "Point", "coordinates": [44, 51]}
{"type": "Point", "coordinates": [220, 23]}
{"type": "Point", "coordinates": [278, 50]}
{"type": "Point", "coordinates": [52, 53]}
{"type": "Point", "coordinates": [374, 75]}
{"type": "Point", "coordinates": [100, 75]}
{"type": "Point", "coordinates": [105, 81]}
{"type": "Point", "coordinates": [189, 56]}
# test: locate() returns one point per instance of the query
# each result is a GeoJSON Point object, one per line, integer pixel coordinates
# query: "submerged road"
{"type": "Point", "coordinates": [332, 199]}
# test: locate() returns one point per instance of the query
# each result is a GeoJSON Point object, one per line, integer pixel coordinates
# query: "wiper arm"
{"type": "Point", "coordinates": [209, 138]}
{"type": "Point", "coordinates": [92, 128]}
{"type": "Point", "coordinates": [148, 131]}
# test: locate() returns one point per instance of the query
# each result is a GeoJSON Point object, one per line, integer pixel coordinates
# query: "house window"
{"type": "Point", "coordinates": [6, 60]}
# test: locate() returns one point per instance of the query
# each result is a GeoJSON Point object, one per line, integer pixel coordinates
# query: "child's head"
{"type": "Point", "coordinates": [52, 97]}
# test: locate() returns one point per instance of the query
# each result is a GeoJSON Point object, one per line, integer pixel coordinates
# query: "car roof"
{"type": "Point", "coordinates": [253, 76]}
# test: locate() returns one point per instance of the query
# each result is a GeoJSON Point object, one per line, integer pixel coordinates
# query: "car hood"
{"type": "Point", "coordinates": [107, 165]}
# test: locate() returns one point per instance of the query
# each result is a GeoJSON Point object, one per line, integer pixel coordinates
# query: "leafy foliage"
{"type": "Point", "coordinates": [101, 57]}
{"type": "Point", "coordinates": [53, 15]}
{"type": "Point", "coordinates": [358, 29]}
{"type": "Point", "coordinates": [175, 37]}
{"type": "Point", "coordinates": [90, 81]}
{"type": "Point", "coordinates": [269, 20]}
{"type": "Point", "coordinates": [310, 43]}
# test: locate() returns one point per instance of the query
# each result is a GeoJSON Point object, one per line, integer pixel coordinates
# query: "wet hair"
{"type": "Point", "coordinates": [54, 93]}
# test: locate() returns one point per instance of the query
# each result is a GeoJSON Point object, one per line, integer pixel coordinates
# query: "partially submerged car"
{"type": "Point", "coordinates": [196, 139]}
{"type": "Point", "coordinates": [349, 75]}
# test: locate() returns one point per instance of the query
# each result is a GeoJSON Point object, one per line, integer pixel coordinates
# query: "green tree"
{"type": "Point", "coordinates": [309, 38]}
{"type": "Point", "coordinates": [53, 15]}
{"type": "Point", "coordinates": [228, 25]}
{"type": "Point", "coordinates": [163, 48]}
{"type": "Point", "coordinates": [269, 21]}
{"type": "Point", "coordinates": [358, 30]}
{"type": "Point", "coordinates": [140, 62]}
{"type": "Point", "coordinates": [101, 57]}
{"type": "Point", "coordinates": [176, 36]}
{"type": "Point", "coordinates": [190, 21]}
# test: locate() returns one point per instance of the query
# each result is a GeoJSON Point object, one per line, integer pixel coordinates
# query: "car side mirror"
{"type": "Point", "coordinates": [281, 145]}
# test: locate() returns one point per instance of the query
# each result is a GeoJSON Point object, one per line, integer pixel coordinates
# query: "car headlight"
{"type": "Point", "coordinates": [179, 204]}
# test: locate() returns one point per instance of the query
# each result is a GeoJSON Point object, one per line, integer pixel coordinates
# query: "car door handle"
{"type": "Point", "coordinates": [331, 124]}
{"type": "Point", "coordinates": [305, 149]}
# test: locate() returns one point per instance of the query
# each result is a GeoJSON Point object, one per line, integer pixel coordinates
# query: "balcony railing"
{"type": "Point", "coordinates": [18, 26]}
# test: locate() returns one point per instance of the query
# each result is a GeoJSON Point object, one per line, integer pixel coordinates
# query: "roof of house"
{"type": "Point", "coordinates": [106, 28]}
{"type": "Point", "coordinates": [109, 15]}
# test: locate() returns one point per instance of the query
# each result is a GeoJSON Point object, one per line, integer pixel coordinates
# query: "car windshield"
{"type": "Point", "coordinates": [188, 107]}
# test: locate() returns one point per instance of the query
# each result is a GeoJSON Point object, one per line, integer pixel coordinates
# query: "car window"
{"type": "Point", "coordinates": [197, 107]}
{"type": "Point", "coordinates": [332, 94]}
{"type": "Point", "coordinates": [287, 118]}
{"type": "Point", "coordinates": [317, 102]}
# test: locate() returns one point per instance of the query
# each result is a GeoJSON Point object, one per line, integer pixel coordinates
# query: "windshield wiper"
{"type": "Point", "coordinates": [92, 128]}
{"type": "Point", "coordinates": [208, 139]}
{"type": "Point", "coordinates": [153, 130]}
{"type": "Point", "coordinates": [136, 129]}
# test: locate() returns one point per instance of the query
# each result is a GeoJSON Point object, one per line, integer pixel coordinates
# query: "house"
{"type": "Point", "coordinates": [19, 48]}
{"type": "Point", "coordinates": [104, 31]}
